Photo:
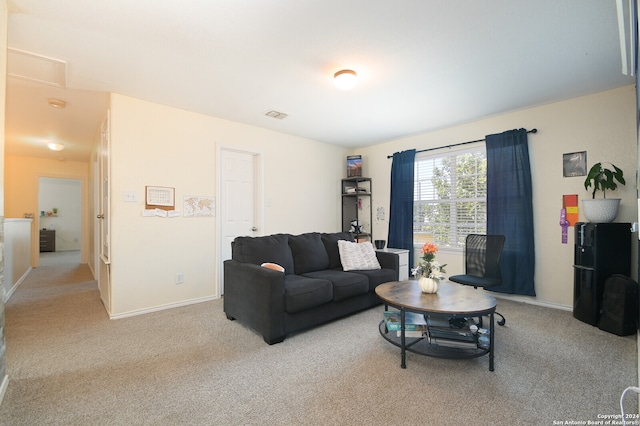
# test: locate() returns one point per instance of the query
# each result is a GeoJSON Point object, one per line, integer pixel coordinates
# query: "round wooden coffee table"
{"type": "Point", "coordinates": [452, 301]}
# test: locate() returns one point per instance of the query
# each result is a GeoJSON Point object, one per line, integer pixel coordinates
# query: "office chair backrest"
{"type": "Point", "coordinates": [482, 255]}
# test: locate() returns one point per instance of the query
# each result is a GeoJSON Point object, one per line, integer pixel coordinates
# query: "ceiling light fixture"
{"type": "Point", "coordinates": [57, 103]}
{"type": "Point", "coordinates": [345, 79]}
{"type": "Point", "coordinates": [55, 146]}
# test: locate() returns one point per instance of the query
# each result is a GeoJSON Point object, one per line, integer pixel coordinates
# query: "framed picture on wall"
{"type": "Point", "coordinates": [574, 164]}
{"type": "Point", "coordinates": [354, 166]}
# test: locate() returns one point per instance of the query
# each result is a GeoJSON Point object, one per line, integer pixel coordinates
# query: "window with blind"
{"type": "Point", "coordinates": [450, 198]}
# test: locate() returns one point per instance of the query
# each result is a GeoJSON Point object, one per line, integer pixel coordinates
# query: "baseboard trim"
{"type": "Point", "coordinates": [3, 387]}
{"type": "Point", "coordinates": [530, 301]}
{"type": "Point", "coordinates": [17, 284]}
{"type": "Point", "coordinates": [163, 307]}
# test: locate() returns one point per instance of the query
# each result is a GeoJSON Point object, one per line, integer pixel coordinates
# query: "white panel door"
{"type": "Point", "coordinates": [238, 202]}
{"type": "Point", "coordinates": [103, 213]}
{"type": "Point", "coordinates": [103, 217]}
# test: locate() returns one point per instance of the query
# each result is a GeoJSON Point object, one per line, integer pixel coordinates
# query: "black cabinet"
{"type": "Point", "coordinates": [601, 250]}
{"type": "Point", "coordinates": [47, 240]}
{"type": "Point", "coordinates": [357, 215]}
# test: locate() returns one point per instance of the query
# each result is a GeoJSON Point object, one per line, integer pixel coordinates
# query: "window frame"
{"type": "Point", "coordinates": [456, 233]}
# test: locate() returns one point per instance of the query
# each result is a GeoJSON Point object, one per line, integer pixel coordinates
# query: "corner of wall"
{"type": "Point", "coordinates": [3, 346]}
{"type": "Point", "coordinates": [3, 80]}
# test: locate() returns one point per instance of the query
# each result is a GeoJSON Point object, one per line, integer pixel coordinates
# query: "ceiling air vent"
{"type": "Point", "coordinates": [276, 114]}
{"type": "Point", "coordinates": [33, 67]}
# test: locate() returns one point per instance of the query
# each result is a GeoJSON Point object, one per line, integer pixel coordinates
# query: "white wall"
{"type": "Point", "coordinates": [17, 253]}
{"type": "Point", "coordinates": [66, 196]}
{"type": "Point", "coordinates": [602, 124]}
{"type": "Point", "coordinates": [157, 145]}
{"type": "Point", "coordinates": [4, 379]}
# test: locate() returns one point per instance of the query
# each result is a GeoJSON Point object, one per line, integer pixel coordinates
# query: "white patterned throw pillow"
{"type": "Point", "coordinates": [357, 256]}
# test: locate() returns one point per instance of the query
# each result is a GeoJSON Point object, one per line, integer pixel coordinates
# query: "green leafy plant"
{"type": "Point", "coordinates": [602, 179]}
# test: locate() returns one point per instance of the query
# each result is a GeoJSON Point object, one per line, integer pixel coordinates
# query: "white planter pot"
{"type": "Point", "coordinates": [429, 285]}
{"type": "Point", "coordinates": [601, 210]}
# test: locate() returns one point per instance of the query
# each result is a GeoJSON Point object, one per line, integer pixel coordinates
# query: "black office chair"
{"type": "Point", "coordinates": [482, 263]}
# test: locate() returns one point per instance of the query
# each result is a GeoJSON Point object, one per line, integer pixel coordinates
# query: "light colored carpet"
{"type": "Point", "coordinates": [69, 364]}
{"type": "Point", "coordinates": [59, 257]}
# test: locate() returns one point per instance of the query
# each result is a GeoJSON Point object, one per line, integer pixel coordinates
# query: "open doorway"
{"type": "Point", "coordinates": [60, 220]}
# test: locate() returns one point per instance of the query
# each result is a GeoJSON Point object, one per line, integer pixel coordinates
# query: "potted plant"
{"type": "Point", "coordinates": [429, 269]}
{"type": "Point", "coordinates": [603, 209]}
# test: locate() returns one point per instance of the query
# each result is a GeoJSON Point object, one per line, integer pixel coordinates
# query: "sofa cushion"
{"type": "Point", "coordinates": [308, 253]}
{"type": "Point", "coordinates": [268, 249]}
{"type": "Point", "coordinates": [301, 293]}
{"type": "Point", "coordinates": [357, 256]}
{"type": "Point", "coordinates": [330, 242]}
{"type": "Point", "coordinates": [377, 276]}
{"type": "Point", "coordinates": [345, 284]}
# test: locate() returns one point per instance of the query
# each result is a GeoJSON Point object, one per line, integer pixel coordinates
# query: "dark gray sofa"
{"type": "Point", "coordinates": [313, 290]}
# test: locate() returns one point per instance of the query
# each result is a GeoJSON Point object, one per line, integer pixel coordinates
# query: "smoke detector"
{"type": "Point", "coordinates": [276, 114]}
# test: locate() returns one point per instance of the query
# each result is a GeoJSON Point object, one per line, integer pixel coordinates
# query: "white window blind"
{"type": "Point", "coordinates": [450, 197]}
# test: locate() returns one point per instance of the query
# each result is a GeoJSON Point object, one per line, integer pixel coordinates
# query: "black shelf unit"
{"type": "Point", "coordinates": [601, 250]}
{"type": "Point", "coordinates": [357, 205]}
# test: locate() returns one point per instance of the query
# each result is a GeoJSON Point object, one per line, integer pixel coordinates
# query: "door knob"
{"type": "Point", "coordinates": [100, 216]}
{"type": "Point", "coordinates": [254, 229]}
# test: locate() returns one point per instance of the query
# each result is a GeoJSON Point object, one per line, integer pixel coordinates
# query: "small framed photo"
{"type": "Point", "coordinates": [354, 166]}
{"type": "Point", "coordinates": [574, 164]}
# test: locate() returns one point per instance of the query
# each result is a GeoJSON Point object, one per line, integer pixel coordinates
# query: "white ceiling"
{"type": "Point", "coordinates": [423, 64]}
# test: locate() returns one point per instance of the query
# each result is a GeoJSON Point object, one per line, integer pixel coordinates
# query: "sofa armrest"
{"type": "Point", "coordinates": [389, 261]}
{"type": "Point", "coordinates": [255, 296]}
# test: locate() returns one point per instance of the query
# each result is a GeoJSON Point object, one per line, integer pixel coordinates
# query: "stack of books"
{"type": "Point", "coordinates": [415, 325]}
{"type": "Point", "coordinates": [454, 333]}
{"type": "Point", "coordinates": [438, 330]}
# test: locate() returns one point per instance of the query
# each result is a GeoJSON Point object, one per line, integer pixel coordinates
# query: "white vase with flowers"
{"type": "Point", "coordinates": [429, 271]}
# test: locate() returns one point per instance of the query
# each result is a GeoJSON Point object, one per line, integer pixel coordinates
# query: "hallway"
{"type": "Point", "coordinates": [59, 257]}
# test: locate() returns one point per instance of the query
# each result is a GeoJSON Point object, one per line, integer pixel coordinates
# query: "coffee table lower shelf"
{"type": "Point", "coordinates": [452, 300]}
{"type": "Point", "coordinates": [422, 346]}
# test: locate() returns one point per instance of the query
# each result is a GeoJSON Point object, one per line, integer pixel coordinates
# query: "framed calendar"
{"type": "Point", "coordinates": [160, 197]}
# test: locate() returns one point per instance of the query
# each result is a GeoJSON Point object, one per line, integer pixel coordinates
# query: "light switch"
{"type": "Point", "coordinates": [130, 197]}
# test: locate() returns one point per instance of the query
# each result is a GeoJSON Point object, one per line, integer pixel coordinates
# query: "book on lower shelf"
{"type": "Point", "coordinates": [452, 343]}
{"type": "Point", "coordinates": [414, 334]}
{"type": "Point", "coordinates": [452, 332]}
{"type": "Point", "coordinates": [465, 335]}
{"type": "Point", "coordinates": [412, 321]}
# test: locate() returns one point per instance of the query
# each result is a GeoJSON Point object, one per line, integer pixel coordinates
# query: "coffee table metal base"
{"type": "Point", "coordinates": [422, 346]}
{"type": "Point", "coordinates": [452, 300]}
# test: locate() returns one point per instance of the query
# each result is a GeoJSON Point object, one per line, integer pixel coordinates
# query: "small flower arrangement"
{"type": "Point", "coordinates": [428, 267]}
